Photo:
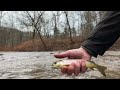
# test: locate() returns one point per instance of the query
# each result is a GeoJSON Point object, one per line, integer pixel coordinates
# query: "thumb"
{"type": "Point", "coordinates": [62, 55]}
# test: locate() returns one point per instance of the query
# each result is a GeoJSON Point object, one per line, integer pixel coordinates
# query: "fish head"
{"type": "Point", "coordinates": [59, 64]}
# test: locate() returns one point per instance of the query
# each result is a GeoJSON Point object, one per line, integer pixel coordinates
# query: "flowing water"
{"type": "Point", "coordinates": [37, 65]}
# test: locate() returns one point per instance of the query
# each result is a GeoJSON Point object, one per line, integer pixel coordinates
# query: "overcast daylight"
{"type": "Point", "coordinates": [59, 44]}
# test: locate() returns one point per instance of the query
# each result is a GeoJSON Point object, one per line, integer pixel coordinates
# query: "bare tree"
{"type": "Point", "coordinates": [101, 14]}
{"type": "Point", "coordinates": [2, 14]}
{"type": "Point", "coordinates": [73, 18]}
{"type": "Point", "coordinates": [34, 19]}
{"type": "Point", "coordinates": [69, 28]}
{"type": "Point", "coordinates": [56, 19]}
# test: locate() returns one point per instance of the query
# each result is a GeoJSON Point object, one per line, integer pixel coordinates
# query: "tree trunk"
{"type": "Point", "coordinates": [69, 28]}
{"type": "Point", "coordinates": [40, 36]}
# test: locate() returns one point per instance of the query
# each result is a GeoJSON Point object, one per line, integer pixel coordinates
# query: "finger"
{"type": "Point", "coordinates": [70, 69]}
{"type": "Point", "coordinates": [83, 66]}
{"type": "Point", "coordinates": [62, 55]}
{"type": "Point", "coordinates": [64, 69]}
{"type": "Point", "coordinates": [77, 68]}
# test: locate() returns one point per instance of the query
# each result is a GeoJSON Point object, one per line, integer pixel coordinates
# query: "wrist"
{"type": "Point", "coordinates": [91, 52]}
{"type": "Point", "coordinates": [86, 54]}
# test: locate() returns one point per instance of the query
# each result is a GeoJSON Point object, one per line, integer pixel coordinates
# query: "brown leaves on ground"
{"type": "Point", "coordinates": [52, 45]}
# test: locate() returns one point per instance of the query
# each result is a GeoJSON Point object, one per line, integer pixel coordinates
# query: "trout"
{"type": "Point", "coordinates": [89, 64]}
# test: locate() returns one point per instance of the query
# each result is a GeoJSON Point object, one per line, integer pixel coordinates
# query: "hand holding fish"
{"type": "Point", "coordinates": [76, 67]}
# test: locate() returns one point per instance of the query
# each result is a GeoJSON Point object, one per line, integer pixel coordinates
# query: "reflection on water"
{"type": "Point", "coordinates": [37, 65]}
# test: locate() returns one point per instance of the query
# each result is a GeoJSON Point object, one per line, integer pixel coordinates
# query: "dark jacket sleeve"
{"type": "Point", "coordinates": [104, 35]}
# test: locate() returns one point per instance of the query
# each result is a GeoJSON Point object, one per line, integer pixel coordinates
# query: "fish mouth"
{"type": "Point", "coordinates": [53, 66]}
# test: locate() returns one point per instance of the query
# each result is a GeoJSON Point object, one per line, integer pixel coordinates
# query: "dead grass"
{"type": "Point", "coordinates": [52, 45]}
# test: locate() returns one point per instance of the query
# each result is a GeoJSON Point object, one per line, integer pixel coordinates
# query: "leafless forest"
{"type": "Point", "coordinates": [46, 30]}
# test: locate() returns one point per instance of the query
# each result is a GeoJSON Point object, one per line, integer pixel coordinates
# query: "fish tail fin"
{"type": "Point", "coordinates": [101, 69]}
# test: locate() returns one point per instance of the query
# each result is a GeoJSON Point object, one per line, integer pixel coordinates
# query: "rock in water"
{"type": "Point", "coordinates": [1, 54]}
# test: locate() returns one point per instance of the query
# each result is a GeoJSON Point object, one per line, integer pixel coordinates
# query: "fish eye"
{"type": "Point", "coordinates": [54, 62]}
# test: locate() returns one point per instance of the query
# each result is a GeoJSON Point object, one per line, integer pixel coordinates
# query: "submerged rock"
{"type": "Point", "coordinates": [1, 54]}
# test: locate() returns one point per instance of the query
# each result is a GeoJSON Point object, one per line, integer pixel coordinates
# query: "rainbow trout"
{"type": "Point", "coordinates": [89, 64]}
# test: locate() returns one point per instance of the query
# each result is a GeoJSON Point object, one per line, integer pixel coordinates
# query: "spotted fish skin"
{"type": "Point", "coordinates": [89, 64]}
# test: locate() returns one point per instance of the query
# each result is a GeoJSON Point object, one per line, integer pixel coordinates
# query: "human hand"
{"type": "Point", "coordinates": [76, 67]}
